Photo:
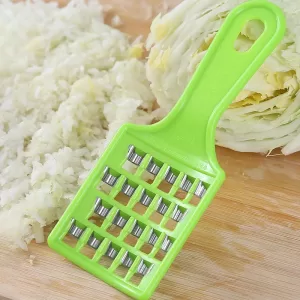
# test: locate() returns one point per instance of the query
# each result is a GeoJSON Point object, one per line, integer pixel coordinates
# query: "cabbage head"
{"type": "Point", "coordinates": [266, 114]}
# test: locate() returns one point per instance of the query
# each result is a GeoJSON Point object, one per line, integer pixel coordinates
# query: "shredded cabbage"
{"type": "Point", "coordinates": [266, 114]}
{"type": "Point", "coordinates": [67, 83]}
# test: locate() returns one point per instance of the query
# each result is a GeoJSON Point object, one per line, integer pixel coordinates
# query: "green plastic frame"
{"type": "Point", "coordinates": [185, 141]}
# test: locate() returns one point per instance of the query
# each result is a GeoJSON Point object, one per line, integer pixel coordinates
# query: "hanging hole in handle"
{"type": "Point", "coordinates": [250, 33]}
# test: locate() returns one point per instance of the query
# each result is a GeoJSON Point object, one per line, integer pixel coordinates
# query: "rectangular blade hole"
{"type": "Point", "coordinates": [147, 177]}
{"type": "Point", "coordinates": [88, 251]}
{"type": "Point", "coordinates": [185, 186]}
{"type": "Point", "coordinates": [147, 248]}
{"type": "Point", "coordinates": [118, 223]}
{"type": "Point", "coordinates": [129, 187]}
{"type": "Point", "coordinates": [108, 180]}
{"type": "Point", "coordinates": [161, 209]}
{"type": "Point", "coordinates": [131, 240]}
{"type": "Point", "coordinates": [129, 167]}
{"type": "Point", "coordinates": [95, 219]}
{"type": "Point", "coordinates": [121, 271]}
{"type": "Point", "coordinates": [152, 240]}
{"type": "Point", "coordinates": [143, 269]}
{"type": "Point", "coordinates": [146, 198]}
{"type": "Point", "coordinates": [165, 186]}
{"type": "Point", "coordinates": [198, 194]}
{"type": "Point", "coordinates": [195, 200]}
{"type": "Point", "coordinates": [171, 224]}
{"type": "Point", "coordinates": [127, 191]}
{"type": "Point", "coordinates": [114, 230]}
{"type": "Point", "coordinates": [92, 245]}
{"type": "Point", "coordinates": [101, 211]}
{"type": "Point", "coordinates": [70, 240]}
{"type": "Point", "coordinates": [177, 215]}
{"type": "Point", "coordinates": [126, 262]}
{"type": "Point", "coordinates": [156, 217]}
{"type": "Point", "coordinates": [160, 255]}
{"type": "Point", "coordinates": [135, 233]}
{"type": "Point", "coordinates": [136, 279]}
{"type": "Point", "coordinates": [140, 208]}
{"type": "Point", "coordinates": [135, 156]}
{"type": "Point", "coordinates": [74, 233]}
{"type": "Point", "coordinates": [165, 247]}
{"type": "Point", "coordinates": [105, 261]}
{"type": "Point", "coordinates": [180, 194]}
{"type": "Point", "coordinates": [111, 253]}
{"type": "Point", "coordinates": [121, 198]}
{"type": "Point", "coordinates": [154, 166]}
{"type": "Point", "coordinates": [169, 179]}
{"type": "Point", "coordinates": [105, 188]}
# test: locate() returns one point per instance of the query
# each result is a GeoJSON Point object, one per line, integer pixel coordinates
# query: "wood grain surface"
{"type": "Point", "coordinates": [246, 246]}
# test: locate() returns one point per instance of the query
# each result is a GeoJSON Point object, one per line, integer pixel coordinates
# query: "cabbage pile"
{"type": "Point", "coordinates": [266, 114]}
{"type": "Point", "coordinates": [67, 83]}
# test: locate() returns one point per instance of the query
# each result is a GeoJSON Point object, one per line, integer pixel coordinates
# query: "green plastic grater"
{"type": "Point", "coordinates": [180, 151]}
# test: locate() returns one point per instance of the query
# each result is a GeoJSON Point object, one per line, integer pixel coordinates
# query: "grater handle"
{"type": "Point", "coordinates": [221, 75]}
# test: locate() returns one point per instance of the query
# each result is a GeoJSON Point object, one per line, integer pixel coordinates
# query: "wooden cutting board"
{"type": "Point", "coordinates": [245, 247]}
